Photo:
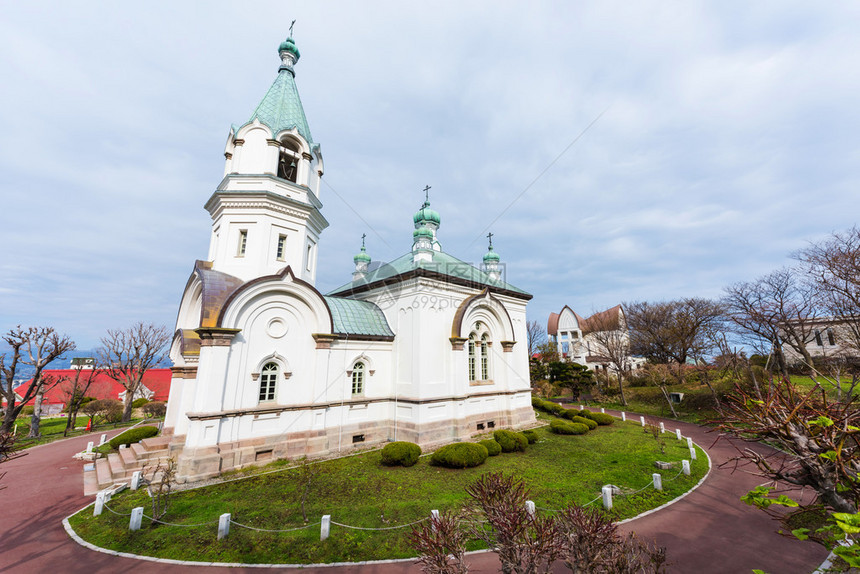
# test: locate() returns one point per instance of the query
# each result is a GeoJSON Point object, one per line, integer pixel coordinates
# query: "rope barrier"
{"type": "Point", "coordinates": [175, 524]}
{"type": "Point", "coordinates": [272, 530]}
{"type": "Point", "coordinates": [383, 528]}
{"type": "Point", "coordinates": [115, 512]}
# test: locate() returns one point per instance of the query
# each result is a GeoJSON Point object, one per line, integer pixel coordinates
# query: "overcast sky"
{"type": "Point", "coordinates": [709, 141]}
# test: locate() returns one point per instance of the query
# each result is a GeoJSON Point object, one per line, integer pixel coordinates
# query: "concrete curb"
{"type": "Point", "coordinates": [74, 536]}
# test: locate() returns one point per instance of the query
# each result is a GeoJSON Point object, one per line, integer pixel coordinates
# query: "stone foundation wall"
{"type": "Point", "coordinates": [200, 463]}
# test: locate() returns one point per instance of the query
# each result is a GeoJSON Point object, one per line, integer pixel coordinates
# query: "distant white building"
{"type": "Point", "coordinates": [426, 348]}
{"type": "Point", "coordinates": [828, 337]}
{"type": "Point", "coordinates": [578, 340]}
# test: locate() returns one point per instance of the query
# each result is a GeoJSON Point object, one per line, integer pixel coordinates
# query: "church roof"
{"type": "Point", "coordinates": [443, 266]}
{"type": "Point", "coordinates": [354, 317]}
{"type": "Point", "coordinates": [281, 108]}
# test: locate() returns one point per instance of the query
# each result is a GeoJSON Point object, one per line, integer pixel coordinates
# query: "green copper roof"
{"type": "Point", "coordinates": [442, 263]}
{"type": "Point", "coordinates": [491, 256]}
{"type": "Point", "coordinates": [425, 214]}
{"type": "Point", "coordinates": [362, 256]}
{"type": "Point", "coordinates": [281, 108]}
{"type": "Point", "coordinates": [354, 317]}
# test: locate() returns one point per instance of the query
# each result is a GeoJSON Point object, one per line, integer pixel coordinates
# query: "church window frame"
{"type": "Point", "coordinates": [242, 245]}
{"type": "Point", "coordinates": [480, 343]}
{"type": "Point", "coordinates": [281, 248]}
{"type": "Point", "coordinates": [485, 357]}
{"type": "Point", "coordinates": [358, 378]}
{"type": "Point", "coordinates": [472, 358]}
{"type": "Point", "coordinates": [831, 337]}
{"type": "Point", "coordinates": [269, 382]}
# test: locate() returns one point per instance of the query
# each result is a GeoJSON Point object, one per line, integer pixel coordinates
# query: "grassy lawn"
{"type": "Point", "coordinates": [359, 491]}
{"type": "Point", "coordinates": [52, 429]}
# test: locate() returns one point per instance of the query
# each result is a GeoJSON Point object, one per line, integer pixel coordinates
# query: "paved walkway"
{"type": "Point", "coordinates": [709, 531]}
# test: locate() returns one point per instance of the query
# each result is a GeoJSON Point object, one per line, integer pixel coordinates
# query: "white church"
{"type": "Point", "coordinates": [426, 348]}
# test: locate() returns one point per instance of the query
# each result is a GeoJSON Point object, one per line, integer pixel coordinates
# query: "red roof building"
{"type": "Point", "coordinates": [156, 383]}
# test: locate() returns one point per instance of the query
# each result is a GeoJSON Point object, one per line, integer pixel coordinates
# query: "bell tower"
{"type": "Point", "coordinates": [266, 211]}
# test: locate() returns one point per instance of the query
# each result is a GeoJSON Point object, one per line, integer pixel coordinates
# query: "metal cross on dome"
{"type": "Point", "coordinates": [490, 237]}
{"type": "Point", "coordinates": [293, 23]}
{"type": "Point", "coordinates": [363, 235]}
{"type": "Point", "coordinates": [426, 191]}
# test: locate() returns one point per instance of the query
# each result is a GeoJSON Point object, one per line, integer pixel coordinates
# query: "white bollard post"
{"type": "Point", "coordinates": [662, 428]}
{"type": "Point", "coordinates": [136, 517]}
{"type": "Point", "coordinates": [223, 525]}
{"type": "Point", "coordinates": [607, 497]}
{"type": "Point", "coordinates": [685, 466]}
{"type": "Point", "coordinates": [642, 420]}
{"type": "Point", "coordinates": [692, 453]}
{"type": "Point", "coordinates": [678, 434]}
{"type": "Point", "coordinates": [434, 518]}
{"type": "Point", "coordinates": [103, 439]}
{"type": "Point", "coordinates": [582, 408]}
{"type": "Point", "coordinates": [100, 503]}
{"type": "Point", "coordinates": [530, 508]}
{"type": "Point", "coordinates": [90, 447]}
{"type": "Point", "coordinates": [325, 526]}
{"type": "Point", "coordinates": [689, 442]}
{"type": "Point", "coordinates": [658, 481]}
{"type": "Point", "coordinates": [602, 410]}
{"type": "Point", "coordinates": [122, 446]}
{"type": "Point", "coordinates": [623, 416]}
{"type": "Point", "coordinates": [135, 480]}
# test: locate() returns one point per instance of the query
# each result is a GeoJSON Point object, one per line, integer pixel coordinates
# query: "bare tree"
{"type": "Point", "coordinates": [75, 390]}
{"type": "Point", "coordinates": [774, 310]}
{"type": "Point", "coordinates": [36, 347]}
{"type": "Point", "coordinates": [833, 267]}
{"type": "Point", "coordinates": [536, 336]}
{"type": "Point", "coordinates": [607, 331]}
{"type": "Point", "coordinates": [672, 331]}
{"type": "Point", "coordinates": [127, 354]}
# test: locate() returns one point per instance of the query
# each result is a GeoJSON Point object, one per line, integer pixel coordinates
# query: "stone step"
{"type": "Point", "coordinates": [156, 443]}
{"type": "Point", "coordinates": [128, 458]}
{"type": "Point", "coordinates": [138, 450]}
{"type": "Point", "coordinates": [117, 468]}
{"type": "Point", "coordinates": [91, 482]}
{"type": "Point", "coordinates": [103, 474]}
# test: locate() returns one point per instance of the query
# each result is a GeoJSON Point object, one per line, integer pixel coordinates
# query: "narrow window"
{"type": "Point", "coordinates": [310, 255]}
{"type": "Point", "coordinates": [358, 379]}
{"type": "Point", "coordinates": [471, 357]}
{"type": "Point", "coordinates": [485, 358]}
{"type": "Point", "coordinates": [818, 338]}
{"type": "Point", "coordinates": [243, 242]}
{"type": "Point", "coordinates": [268, 381]}
{"type": "Point", "coordinates": [357, 438]}
{"type": "Point", "coordinates": [282, 244]}
{"type": "Point", "coordinates": [831, 338]}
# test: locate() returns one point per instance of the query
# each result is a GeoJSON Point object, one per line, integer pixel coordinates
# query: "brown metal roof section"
{"type": "Point", "coordinates": [279, 276]}
{"type": "Point", "coordinates": [552, 324]}
{"type": "Point", "coordinates": [609, 320]}
{"type": "Point", "coordinates": [217, 288]}
{"type": "Point", "coordinates": [457, 323]}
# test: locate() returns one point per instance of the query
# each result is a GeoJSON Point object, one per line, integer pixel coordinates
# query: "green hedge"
{"type": "Point", "coordinates": [511, 441]}
{"type": "Point", "coordinates": [460, 455]}
{"type": "Point", "coordinates": [531, 436]}
{"type": "Point", "coordinates": [584, 421]}
{"type": "Point", "coordinates": [493, 448]}
{"type": "Point", "coordinates": [137, 403]}
{"type": "Point", "coordinates": [400, 453]}
{"type": "Point", "coordinates": [600, 418]}
{"type": "Point", "coordinates": [559, 426]}
{"type": "Point", "coordinates": [132, 436]}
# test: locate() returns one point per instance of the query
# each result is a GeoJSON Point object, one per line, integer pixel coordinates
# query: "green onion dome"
{"type": "Point", "coordinates": [426, 215]}
{"type": "Point", "coordinates": [362, 256]}
{"type": "Point", "coordinates": [289, 45]}
{"type": "Point", "coordinates": [491, 256]}
{"type": "Point", "coordinates": [423, 232]}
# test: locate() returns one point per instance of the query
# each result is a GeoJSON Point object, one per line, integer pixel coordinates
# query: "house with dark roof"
{"type": "Point", "coordinates": [585, 340]}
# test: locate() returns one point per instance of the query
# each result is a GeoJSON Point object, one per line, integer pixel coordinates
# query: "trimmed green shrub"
{"type": "Point", "coordinates": [559, 426]}
{"type": "Point", "coordinates": [131, 436]}
{"type": "Point", "coordinates": [493, 448]}
{"type": "Point", "coordinates": [584, 421]}
{"type": "Point", "coordinates": [27, 411]}
{"type": "Point", "coordinates": [460, 455]}
{"type": "Point", "coordinates": [511, 441]}
{"type": "Point", "coordinates": [401, 453]}
{"type": "Point", "coordinates": [137, 403]}
{"type": "Point", "coordinates": [531, 436]}
{"type": "Point", "coordinates": [600, 418]}
{"type": "Point", "coordinates": [537, 402]}
{"type": "Point", "coordinates": [555, 408]}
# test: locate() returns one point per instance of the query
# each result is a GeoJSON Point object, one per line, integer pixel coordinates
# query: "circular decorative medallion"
{"type": "Point", "coordinates": [276, 328]}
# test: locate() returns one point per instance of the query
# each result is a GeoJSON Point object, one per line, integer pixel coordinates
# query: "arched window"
{"type": "Point", "coordinates": [358, 379]}
{"type": "Point", "coordinates": [268, 382]}
{"type": "Point", "coordinates": [472, 373]}
{"type": "Point", "coordinates": [485, 357]}
{"type": "Point", "coordinates": [288, 161]}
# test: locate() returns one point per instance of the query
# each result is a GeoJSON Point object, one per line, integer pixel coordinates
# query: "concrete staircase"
{"type": "Point", "coordinates": [118, 467]}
